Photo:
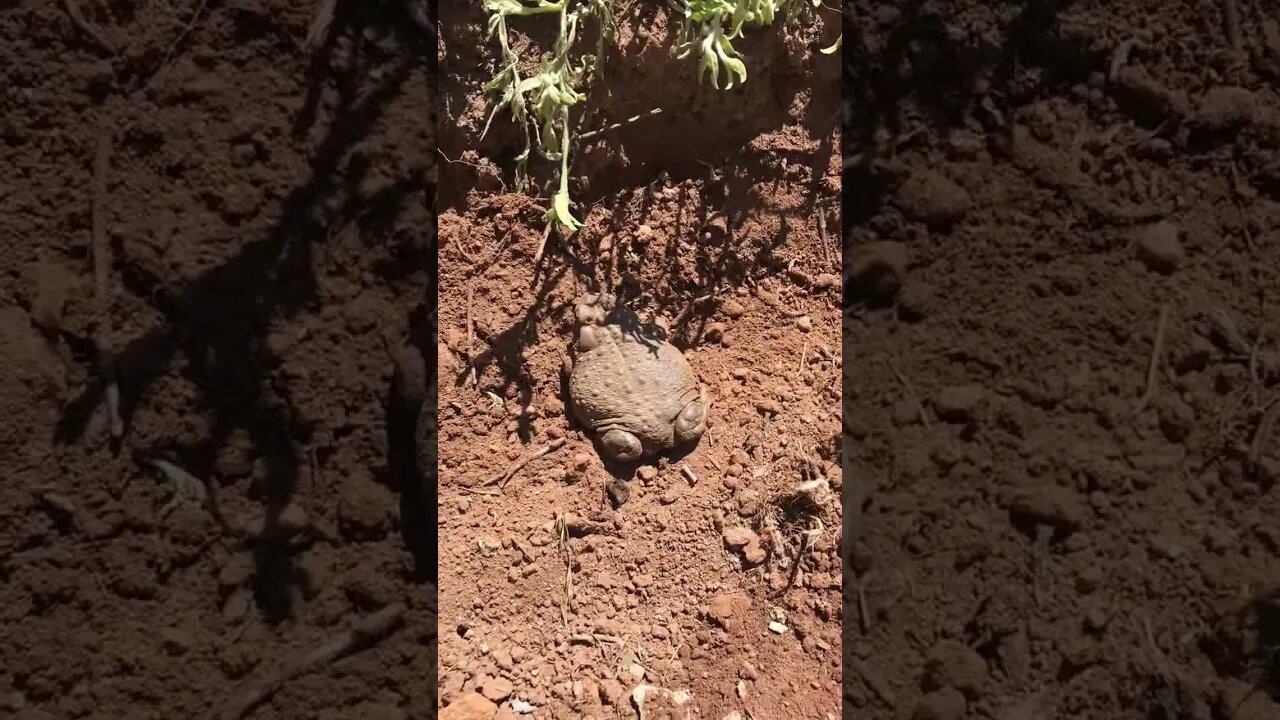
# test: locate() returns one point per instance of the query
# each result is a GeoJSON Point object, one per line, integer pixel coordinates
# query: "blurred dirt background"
{"type": "Point", "coordinates": [228, 234]}
{"type": "Point", "coordinates": [1061, 273]}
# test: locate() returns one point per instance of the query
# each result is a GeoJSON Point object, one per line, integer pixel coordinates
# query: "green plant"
{"type": "Point", "coordinates": [540, 103]}
{"type": "Point", "coordinates": [709, 27]}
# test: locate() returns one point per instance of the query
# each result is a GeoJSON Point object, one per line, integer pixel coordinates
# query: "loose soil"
{"type": "Point", "coordinates": [267, 231]}
{"type": "Point", "coordinates": [1050, 528]}
{"type": "Point", "coordinates": [708, 215]}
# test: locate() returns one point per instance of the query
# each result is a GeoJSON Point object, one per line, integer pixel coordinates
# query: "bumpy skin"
{"type": "Point", "coordinates": [631, 387]}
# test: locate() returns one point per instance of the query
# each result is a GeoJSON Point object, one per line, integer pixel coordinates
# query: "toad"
{"type": "Point", "coordinates": [630, 387]}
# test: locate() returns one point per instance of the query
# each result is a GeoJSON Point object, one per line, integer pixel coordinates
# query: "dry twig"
{"type": "Point", "coordinates": [806, 539]}
{"type": "Point", "coordinates": [822, 231]}
{"type": "Point", "coordinates": [365, 633]}
{"type": "Point", "coordinates": [319, 29]}
{"type": "Point", "coordinates": [84, 26]}
{"type": "Point", "coordinates": [910, 391]}
{"type": "Point", "coordinates": [1153, 368]}
{"type": "Point", "coordinates": [1266, 424]}
{"type": "Point", "coordinates": [542, 246]}
{"type": "Point", "coordinates": [102, 261]}
{"type": "Point", "coordinates": [503, 477]}
{"type": "Point", "coordinates": [566, 598]}
{"type": "Point", "coordinates": [688, 309]}
{"type": "Point", "coordinates": [1231, 24]}
{"type": "Point", "coordinates": [610, 128]}
{"type": "Point", "coordinates": [173, 46]}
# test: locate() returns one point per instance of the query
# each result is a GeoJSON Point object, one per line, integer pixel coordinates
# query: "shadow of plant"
{"type": "Point", "coordinates": [218, 320]}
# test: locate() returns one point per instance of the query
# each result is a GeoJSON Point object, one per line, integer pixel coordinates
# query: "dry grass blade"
{"type": "Point", "coordinates": [1153, 367]}
{"type": "Point", "coordinates": [566, 598]}
{"type": "Point", "coordinates": [503, 477]}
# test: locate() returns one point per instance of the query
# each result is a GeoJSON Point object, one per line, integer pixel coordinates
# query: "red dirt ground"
{"type": "Point", "coordinates": [735, 217]}
{"type": "Point", "coordinates": [1039, 536]}
{"type": "Point", "coordinates": [268, 229]}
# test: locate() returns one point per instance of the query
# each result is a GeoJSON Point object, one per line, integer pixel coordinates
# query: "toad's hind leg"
{"type": "Point", "coordinates": [691, 423]}
{"type": "Point", "coordinates": [621, 445]}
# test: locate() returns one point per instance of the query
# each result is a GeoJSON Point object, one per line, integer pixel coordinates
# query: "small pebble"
{"type": "Point", "coordinates": [804, 323]}
{"type": "Point", "coordinates": [826, 281]}
{"type": "Point", "coordinates": [768, 407]}
{"type": "Point", "coordinates": [932, 198]}
{"type": "Point", "coordinates": [1160, 247]}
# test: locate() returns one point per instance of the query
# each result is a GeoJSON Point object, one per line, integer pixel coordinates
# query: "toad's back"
{"type": "Point", "coordinates": [637, 384]}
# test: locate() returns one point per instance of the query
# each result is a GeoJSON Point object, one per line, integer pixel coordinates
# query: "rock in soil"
{"type": "Point", "coordinates": [877, 270]}
{"type": "Point", "coordinates": [1160, 247]}
{"type": "Point", "coordinates": [933, 198]}
{"type": "Point", "coordinates": [470, 706]}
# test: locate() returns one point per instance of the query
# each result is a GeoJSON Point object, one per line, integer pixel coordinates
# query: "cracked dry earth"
{"type": "Point", "coordinates": [1061, 284]}
{"type": "Point", "coordinates": [719, 215]}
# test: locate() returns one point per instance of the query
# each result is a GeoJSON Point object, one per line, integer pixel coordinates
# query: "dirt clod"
{"type": "Point", "coordinates": [1160, 247]}
{"type": "Point", "coordinates": [496, 689]}
{"type": "Point", "coordinates": [1227, 108]}
{"type": "Point", "coordinates": [728, 608]}
{"type": "Point", "coordinates": [933, 198]}
{"type": "Point", "coordinates": [943, 704]}
{"type": "Point", "coordinates": [877, 271]}
{"type": "Point", "coordinates": [364, 509]}
{"type": "Point", "coordinates": [732, 308]}
{"type": "Point", "coordinates": [470, 706]}
{"type": "Point", "coordinates": [955, 664]}
{"type": "Point", "coordinates": [959, 403]}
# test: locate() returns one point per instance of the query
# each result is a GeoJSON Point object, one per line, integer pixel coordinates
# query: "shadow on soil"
{"type": "Point", "coordinates": [919, 79]}
{"type": "Point", "coordinates": [218, 320]}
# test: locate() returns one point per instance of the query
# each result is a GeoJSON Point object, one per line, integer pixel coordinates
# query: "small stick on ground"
{"type": "Point", "coordinates": [365, 633]}
{"type": "Point", "coordinates": [910, 391]}
{"type": "Point", "coordinates": [1231, 24]}
{"type": "Point", "coordinates": [1254, 378]}
{"type": "Point", "coordinates": [542, 246]}
{"type": "Point", "coordinates": [822, 231]}
{"type": "Point", "coordinates": [84, 26]}
{"type": "Point", "coordinates": [566, 599]}
{"type": "Point", "coordinates": [684, 314]}
{"type": "Point", "coordinates": [111, 396]}
{"type": "Point", "coordinates": [689, 474]}
{"type": "Point", "coordinates": [102, 261]}
{"type": "Point", "coordinates": [101, 250]}
{"type": "Point", "coordinates": [503, 477]}
{"type": "Point", "coordinates": [320, 22]}
{"type": "Point", "coordinates": [173, 46]}
{"type": "Point", "coordinates": [1265, 426]}
{"type": "Point", "coordinates": [595, 639]}
{"type": "Point", "coordinates": [864, 614]}
{"type": "Point", "coordinates": [471, 326]}
{"type": "Point", "coordinates": [806, 539]}
{"type": "Point", "coordinates": [1120, 58]}
{"type": "Point", "coordinates": [610, 128]}
{"type": "Point", "coordinates": [1153, 367]}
